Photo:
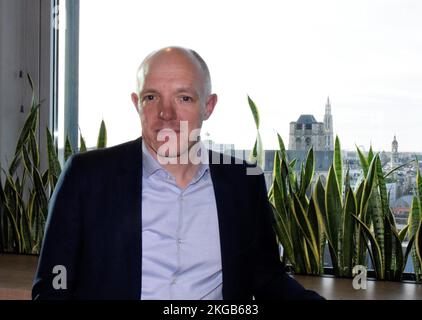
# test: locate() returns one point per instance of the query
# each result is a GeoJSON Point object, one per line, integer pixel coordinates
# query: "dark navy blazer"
{"type": "Point", "coordinates": [94, 228]}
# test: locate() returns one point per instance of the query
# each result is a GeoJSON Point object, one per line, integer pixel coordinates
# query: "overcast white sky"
{"type": "Point", "coordinates": [287, 55]}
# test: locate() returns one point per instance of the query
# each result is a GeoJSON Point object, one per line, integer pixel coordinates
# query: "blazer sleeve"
{"type": "Point", "coordinates": [271, 280]}
{"type": "Point", "coordinates": [57, 264]}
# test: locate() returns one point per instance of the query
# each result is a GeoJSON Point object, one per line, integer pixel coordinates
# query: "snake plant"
{"type": "Point", "coordinates": [27, 187]}
{"type": "Point", "coordinates": [298, 226]}
{"type": "Point", "coordinates": [353, 222]}
{"type": "Point", "coordinates": [415, 225]}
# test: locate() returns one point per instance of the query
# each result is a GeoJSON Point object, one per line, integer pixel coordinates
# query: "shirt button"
{"type": "Point", "coordinates": [179, 241]}
{"type": "Point", "coordinates": [173, 282]}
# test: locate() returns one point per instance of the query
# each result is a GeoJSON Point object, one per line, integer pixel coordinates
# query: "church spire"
{"type": "Point", "coordinates": [328, 107]}
{"type": "Point", "coordinates": [328, 126]}
{"type": "Point", "coordinates": [394, 145]}
{"type": "Point", "coordinates": [394, 152]}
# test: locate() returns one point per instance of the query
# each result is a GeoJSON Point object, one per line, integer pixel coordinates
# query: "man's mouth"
{"type": "Point", "coordinates": [165, 130]}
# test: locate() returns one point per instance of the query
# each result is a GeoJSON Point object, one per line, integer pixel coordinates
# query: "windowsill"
{"type": "Point", "coordinates": [17, 273]}
{"type": "Point", "coordinates": [333, 288]}
{"type": "Point", "coordinates": [16, 276]}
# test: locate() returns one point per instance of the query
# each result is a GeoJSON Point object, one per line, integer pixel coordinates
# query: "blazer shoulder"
{"type": "Point", "coordinates": [115, 157]}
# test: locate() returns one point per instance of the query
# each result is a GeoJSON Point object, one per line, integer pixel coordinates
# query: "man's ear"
{"type": "Point", "coordinates": [210, 105]}
{"type": "Point", "coordinates": [135, 101]}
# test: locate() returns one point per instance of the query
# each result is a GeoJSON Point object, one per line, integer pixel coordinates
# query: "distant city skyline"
{"type": "Point", "coordinates": [288, 56]}
{"type": "Point", "coordinates": [270, 141]}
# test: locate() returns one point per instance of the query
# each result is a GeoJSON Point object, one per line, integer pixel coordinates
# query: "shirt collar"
{"type": "Point", "coordinates": [150, 165]}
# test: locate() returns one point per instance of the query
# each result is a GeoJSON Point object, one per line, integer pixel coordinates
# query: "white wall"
{"type": "Point", "coordinates": [24, 46]}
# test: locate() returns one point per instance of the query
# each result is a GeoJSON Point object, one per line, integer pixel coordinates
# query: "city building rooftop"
{"type": "Point", "coordinates": [306, 119]}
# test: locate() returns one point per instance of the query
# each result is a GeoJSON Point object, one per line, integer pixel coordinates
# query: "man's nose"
{"type": "Point", "coordinates": [167, 110]}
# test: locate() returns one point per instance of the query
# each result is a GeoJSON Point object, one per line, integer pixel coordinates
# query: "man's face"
{"type": "Point", "coordinates": [171, 91]}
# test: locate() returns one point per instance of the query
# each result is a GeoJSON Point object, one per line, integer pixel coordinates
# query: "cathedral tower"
{"type": "Point", "coordinates": [328, 127]}
{"type": "Point", "coordinates": [394, 153]}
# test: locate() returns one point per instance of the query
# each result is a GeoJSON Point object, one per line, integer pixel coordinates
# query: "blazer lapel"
{"type": "Point", "coordinates": [229, 233]}
{"type": "Point", "coordinates": [128, 202]}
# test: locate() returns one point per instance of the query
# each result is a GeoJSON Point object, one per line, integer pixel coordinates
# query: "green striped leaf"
{"type": "Point", "coordinates": [399, 262]}
{"type": "Point", "coordinates": [254, 111]}
{"type": "Point", "coordinates": [29, 125]}
{"type": "Point", "coordinates": [338, 165]}
{"type": "Point", "coordinates": [25, 229]}
{"type": "Point", "coordinates": [257, 154]}
{"type": "Point", "coordinates": [319, 196]}
{"type": "Point", "coordinates": [389, 245]}
{"type": "Point", "coordinates": [308, 172]}
{"type": "Point", "coordinates": [292, 164]}
{"type": "Point", "coordinates": [33, 148]}
{"type": "Point", "coordinates": [419, 184]}
{"type": "Point", "coordinates": [414, 217]}
{"type": "Point", "coordinates": [82, 143]}
{"type": "Point", "coordinates": [418, 242]}
{"type": "Point", "coordinates": [374, 249]}
{"type": "Point", "coordinates": [305, 226]}
{"type": "Point", "coordinates": [408, 250]}
{"type": "Point", "coordinates": [367, 189]}
{"type": "Point", "coordinates": [316, 226]}
{"type": "Point", "coordinates": [350, 208]}
{"type": "Point", "coordinates": [9, 199]}
{"type": "Point", "coordinates": [276, 169]}
{"type": "Point", "coordinates": [26, 160]}
{"type": "Point", "coordinates": [281, 147]}
{"type": "Point", "coordinates": [31, 84]}
{"type": "Point", "coordinates": [397, 168]}
{"type": "Point", "coordinates": [333, 206]}
{"type": "Point", "coordinates": [359, 193]}
{"type": "Point", "coordinates": [68, 151]}
{"type": "Point", "coordinates": [363, 162]}
{"type": "Point", "coordinates": [282, 223]}
{"type": "Point", "coordinates": [370, 154]}
{"type": "Point", "coordinates": [403, 233]}
{"type": "Point", "coordinates": [382, 187]}
{"type": "Point", "coordinates": [30, 207]}
{"type": "Point", "coordinates": [54, 168]}
{"type": "Point", "coordinates": [102, 136]}
{"type": "Point", "coordinates": [347, 181]}
{"type": "Point", "coordinates": [377, 216]}
{"type": "Point", "coordinates": [302, 263]}
{"type": "Point", "coordinates": [41, 197]}
{"type": "Point", "coordinates": [414, 221]}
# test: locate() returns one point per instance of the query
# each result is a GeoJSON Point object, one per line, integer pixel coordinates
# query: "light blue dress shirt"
{"type": "Point", "coordinates": [181, 256]}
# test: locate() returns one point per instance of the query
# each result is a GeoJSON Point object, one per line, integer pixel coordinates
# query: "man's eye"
{"type": "Point", "coordinates": [149, 97]}
{"type": "Point", "coordinates": [186, 99]}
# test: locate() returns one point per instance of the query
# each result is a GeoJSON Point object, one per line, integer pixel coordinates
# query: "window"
{"type": "Point", "coordinates": [364, 54]}
{"type": "Point", "coordinates": [327, 49]}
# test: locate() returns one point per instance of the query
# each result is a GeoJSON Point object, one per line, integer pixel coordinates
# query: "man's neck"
{"type": "Point", "coordinates": [182, 171]}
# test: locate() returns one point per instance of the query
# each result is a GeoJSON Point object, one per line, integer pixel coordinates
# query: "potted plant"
{"type": "Point", "coordinates": [352, 223]}
{"type": "Point", "coordinates": [27, 188]}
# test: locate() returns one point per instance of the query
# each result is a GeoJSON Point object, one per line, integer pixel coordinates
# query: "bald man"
{"type": "Point", "coordinates": [162, 217]}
